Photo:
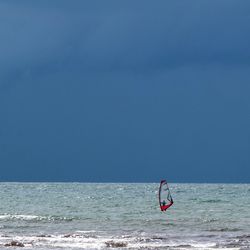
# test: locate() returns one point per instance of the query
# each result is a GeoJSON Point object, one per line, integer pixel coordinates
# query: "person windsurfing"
{"type": "Point", "coordinates": [164, 194]}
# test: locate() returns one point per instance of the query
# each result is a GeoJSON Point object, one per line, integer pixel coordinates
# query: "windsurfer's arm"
{"type": "Point", "coordinates": [169, 205]}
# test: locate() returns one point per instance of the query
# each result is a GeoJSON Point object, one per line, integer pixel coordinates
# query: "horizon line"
{"type": "Point", "coordinates": [122, 182]}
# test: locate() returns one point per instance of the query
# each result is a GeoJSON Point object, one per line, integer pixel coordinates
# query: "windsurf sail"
{"type": "Point", "coordinates": [165, 198]}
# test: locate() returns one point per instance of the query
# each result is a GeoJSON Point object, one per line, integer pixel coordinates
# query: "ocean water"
{"type": "Point", "coordinates": [124, 216]}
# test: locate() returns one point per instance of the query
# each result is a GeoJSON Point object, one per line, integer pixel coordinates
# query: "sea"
{"type": "Point", "coordinates": [123, 216]}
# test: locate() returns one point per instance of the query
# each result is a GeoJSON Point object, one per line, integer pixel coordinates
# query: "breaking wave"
{"type": "Point", "coordinates": [33, 218]}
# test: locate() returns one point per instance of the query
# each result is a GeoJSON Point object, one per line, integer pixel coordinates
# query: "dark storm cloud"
{"type": "Point", "coordinates": [122, 36]}
{"type": "Point", "coordinates": [95, 91]}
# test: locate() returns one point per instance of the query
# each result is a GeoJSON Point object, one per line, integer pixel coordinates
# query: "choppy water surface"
{"type": "Point", "coordinates": [124, 216]}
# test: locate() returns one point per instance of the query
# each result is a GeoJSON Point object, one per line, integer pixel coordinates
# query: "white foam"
{"type": "Point", "coordinates": [79, 241]}
{"type": "Point", "coordinates": [20, 217]}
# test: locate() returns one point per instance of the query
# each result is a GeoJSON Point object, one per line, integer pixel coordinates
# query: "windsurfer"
{"type": "Point", "coordinates": [165, 192]}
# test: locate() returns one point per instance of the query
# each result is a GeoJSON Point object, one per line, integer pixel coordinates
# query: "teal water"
{"type": "Point", "coordinates": [124, 216]}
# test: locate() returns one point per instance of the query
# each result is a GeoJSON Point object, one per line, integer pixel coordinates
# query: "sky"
{"type": "Point", "coordinates": [125, 91]}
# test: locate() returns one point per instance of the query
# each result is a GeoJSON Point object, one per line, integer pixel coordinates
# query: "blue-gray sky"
{"type": "Point", "coordinates": [125, 90]}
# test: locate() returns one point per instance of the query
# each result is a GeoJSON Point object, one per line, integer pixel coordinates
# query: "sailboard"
{"type": "Point", "coordinates": [165, 198]}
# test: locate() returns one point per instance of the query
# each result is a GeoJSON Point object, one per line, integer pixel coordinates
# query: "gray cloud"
{"type": "Point", "coordinates": [107, 85]}
{"type": "Point", "coordinates": [123, 36]}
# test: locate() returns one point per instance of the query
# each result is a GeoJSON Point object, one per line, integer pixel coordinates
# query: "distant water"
{"type": "Point", "coordinates": [124, 216]}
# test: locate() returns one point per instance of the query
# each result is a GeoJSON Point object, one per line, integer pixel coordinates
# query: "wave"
{"type": "Point", "coordinates": [209, 220]}
{"type": "Point", "coordinates": [232, 245]}
{"type": "Point", "coordinates": [96, 240]}
{"type": "Point", "coordinates": [244, 236]}
{"type": "Point", "coordinates": [81, 242]}
{"type": "Point", "coordinates": [182, 246]}
{"type": "Point", "coordinates": [225, 229]}
{"type": "Point", "coordinates": [211, 201]}
{"type": "Point", "coordinates": [34, 218]}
